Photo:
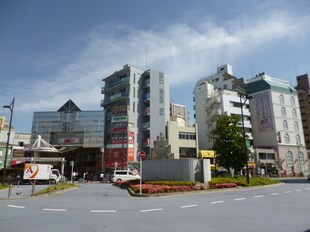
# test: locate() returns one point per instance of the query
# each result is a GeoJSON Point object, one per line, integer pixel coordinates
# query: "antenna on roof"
{"type": "Point", "coordinates": [146, 66]}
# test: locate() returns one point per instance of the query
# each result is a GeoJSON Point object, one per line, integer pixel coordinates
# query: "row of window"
{"type": "Point", "coordinates": [288, 140]}
{"type": "Point", "coordinates": [282, 101]}
{"type": "Point", "coordinates": [188, 136]}
{"type": "Point", "coordinates": [285, 125]}
{"type": "Point", "coordinates": [283, 112]}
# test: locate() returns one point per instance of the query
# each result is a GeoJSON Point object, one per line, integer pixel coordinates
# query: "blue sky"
{"type": "Point", "coordinates": [52, 51]}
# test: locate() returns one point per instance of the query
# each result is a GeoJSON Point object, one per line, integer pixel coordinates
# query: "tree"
{"type": "Point", "coordinates": [229, 143]}
{"type": "Point", "coordinates": [161, 148]}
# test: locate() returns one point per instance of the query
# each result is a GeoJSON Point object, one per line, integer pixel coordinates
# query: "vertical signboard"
{"type": "Point", "coordinates": [264, 111]}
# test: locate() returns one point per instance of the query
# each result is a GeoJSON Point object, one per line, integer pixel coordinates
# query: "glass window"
{"type": "Point", "coordinates": [287, 138]}
{"type": "Point", "coordinates": [285, 126]}
{"type": "Point", "coordinates": [294, 113]}
{"type": "Point", "coordinates": [283, 112]}
{"type": "Point", "coordinates": [290, 161]}
{"type": "Point", "coordinates": [302, 161]}
{"type": "Point", "coordinates": [292, 101]}
{"type": "Point", "coordinates": [281, 99]}
{"type": "Point", "coordinates": [298, 141]}
{"type": "Point", "coordinates": [296, 126]}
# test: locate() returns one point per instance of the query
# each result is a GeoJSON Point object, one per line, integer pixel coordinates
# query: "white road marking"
{"type": "Point", "coordinates": [188, 206]}
{"type": "Point", "coordinates": [298, 190]}
{"type": "Point", "coordinates": [150, 210]}
{"type": "Point", "coordinates": [216, 202]}
{"type": "Point", "coordinates": [240, 199]}
{"type": "Point", "coordinates": [56, 210]}
{"type": "Point", "coordinates": [102, 211]}
{"type": "Point", "coordinates": [258, 196]}
{"type": "Point", "coordinates": [273, 194]}
{"type": "Point", "coordinates": [307, 188]}
{"type": "Point", "coordinates": [287, 191]}
{"type": "Point", "coordinates": [16, 206]}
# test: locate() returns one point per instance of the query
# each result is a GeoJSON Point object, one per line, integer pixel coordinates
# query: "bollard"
{"type": "Point", "coordinates": [10, 190]}
{"type": "Point", "coordinates": [33, 188]}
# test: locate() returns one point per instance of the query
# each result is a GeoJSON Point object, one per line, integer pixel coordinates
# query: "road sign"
{"type": "Point", "coordinates": [142, 154]}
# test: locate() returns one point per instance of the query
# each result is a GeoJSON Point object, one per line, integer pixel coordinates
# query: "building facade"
{"type": "Point", "coordinates": [303, 90]}
{"type": "Point", "coordinates": [277, 127]}
{"type": "Point", "coordinates": [77, 134]}
{"type": "Point", "coordinates": [136, 106]}
{"type": "Point", "coordinates": [182, 139]}
{"type": "Point", "coordinates": [181, 111]}
{"type": "Point", "coordinates": [215, 95]}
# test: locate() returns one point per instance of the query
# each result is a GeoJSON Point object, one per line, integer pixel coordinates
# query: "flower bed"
{"type": "Point", "coordinates": [153, 189]}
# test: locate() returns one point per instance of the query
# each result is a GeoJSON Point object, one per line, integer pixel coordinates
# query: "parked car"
{"type": "Point", "coordinates": [123, 175]}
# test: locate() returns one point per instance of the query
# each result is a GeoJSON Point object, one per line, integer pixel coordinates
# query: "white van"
{"type": "Point", "coordinates": [123, 175]}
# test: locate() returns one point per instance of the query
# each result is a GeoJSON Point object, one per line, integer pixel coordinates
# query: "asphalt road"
{"type": "Point", "coordinates": [103, 207]}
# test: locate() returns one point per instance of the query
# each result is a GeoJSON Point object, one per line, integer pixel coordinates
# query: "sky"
{"type": "Point", "coordinates": [54, 50]}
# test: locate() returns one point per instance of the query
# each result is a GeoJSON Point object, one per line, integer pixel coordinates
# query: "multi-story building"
{"type": "Point", "coordinates": [182, 139]}
{"type": "Point", "coordinates": [180, 110]}
{"type": "Point", "coordinates": [17, 143]}
{"type": "Point", "coordinates": [215, 95]}
{"type": "Point", "coordinates": [303, 90]}
{"type": "Point", "coordinates": [77, 134]}
{"type": "Point", "coordinates": [136, 105]}
{"type": "Point", "coordinates": [276, 126]}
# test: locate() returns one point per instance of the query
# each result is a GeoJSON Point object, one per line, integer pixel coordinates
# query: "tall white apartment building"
{"type": "Point", "coordinates": [213, 96]}
{"type": "Point", "coordinates": [136, 106]}
{"type": "Point", "coordinates": [277, 126]}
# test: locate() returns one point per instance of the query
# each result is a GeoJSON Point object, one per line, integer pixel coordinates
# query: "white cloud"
{"type": "Point", "coordinates": [182, 51]}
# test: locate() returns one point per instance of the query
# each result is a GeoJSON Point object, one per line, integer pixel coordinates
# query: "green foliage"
{"type": "Point", "coordinates": [241, 181]}
{"type": "Point", "coordinates": [56, 188]}
{"type": "Point", "coordinates": [229, 142]}
{"type": "Point", "coordinates": [5, 186]}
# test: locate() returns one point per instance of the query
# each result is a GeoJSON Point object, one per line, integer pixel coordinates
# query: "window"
{"type": "Point", "coordinates": [285, 126]}
{"type": "Point", "coordinates": [298, 141]}
{"type": "Point", "coordinates": [283, 112]}
{"type": "Point", "coordinates": [290, 161]}
{"type": "Point", "coordinates": [296, 126]}
{"type": "Point", "coordinates": [292, 101]}
{"type": "Point", "coordinates": [294, 113]}
{"type": "Point", "coordinates": [187, 136]}
{"type": "Point", "coordinates": [281, 99]}
{"type": "Point", "coordinates": [287, 138]}
{"type": "Point", "coordinates": [302, 161]}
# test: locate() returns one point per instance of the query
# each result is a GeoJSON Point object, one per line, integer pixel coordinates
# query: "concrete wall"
{"type": "Point", "coordinates": [174, 169]}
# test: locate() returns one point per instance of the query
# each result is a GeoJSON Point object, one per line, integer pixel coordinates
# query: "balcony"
{"type": "Point", "coordinates": [114, 98]}
{"type": "Point", "coordinates": [146, 125]}
{"type": "Point", "coordinates": [146, 97]}
{"type": "Point", "coordinates": [146, 83]}
{"type": "Point", "coordinates": [146, 142]}
{"type": "Point", "coordinates": [146, 111]}
{"type": "Point", "coordinates": [115, 84]}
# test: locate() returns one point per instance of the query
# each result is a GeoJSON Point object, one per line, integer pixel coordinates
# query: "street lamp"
{"type": "Point", "coordinates": [11, 108]}
{"type": "Point", "coordinates": [243, 100]}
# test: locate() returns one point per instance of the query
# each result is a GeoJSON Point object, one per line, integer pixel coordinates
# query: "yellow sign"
{"type": "Point", "coordinates": [206, 154]}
